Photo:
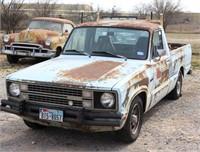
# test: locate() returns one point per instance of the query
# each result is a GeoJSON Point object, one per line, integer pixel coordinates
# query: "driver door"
{"type": "Point", "coordinates": [160, 61]}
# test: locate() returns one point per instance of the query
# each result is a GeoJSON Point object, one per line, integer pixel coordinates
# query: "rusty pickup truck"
{"type": "Point", "coordinates": [107, 77]}
{"type": "Point", "coordinates": [43, 38]}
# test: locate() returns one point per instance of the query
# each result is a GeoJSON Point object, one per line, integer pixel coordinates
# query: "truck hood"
{"type": "Point", "coordinates": [34, 35]}
{"type": "Point", "coordinates": [81, 71]}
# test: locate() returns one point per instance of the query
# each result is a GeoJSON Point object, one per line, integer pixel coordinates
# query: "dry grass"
{"type": "Point", "coordinates": [193, 39]}
{"type": "Point", "coordinates": [0, 39]}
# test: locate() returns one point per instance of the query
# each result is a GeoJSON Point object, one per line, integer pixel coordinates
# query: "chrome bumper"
{"type": "Point", "coordinates": [28, 50]}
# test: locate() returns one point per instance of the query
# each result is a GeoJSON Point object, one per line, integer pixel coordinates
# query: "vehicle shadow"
{"type": "Point", "coordinates": [22, 63]}
{"type": "Point", "coordinates": [31, 60]}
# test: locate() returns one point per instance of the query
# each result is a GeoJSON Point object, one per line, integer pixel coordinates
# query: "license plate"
{"type": "Point", "coordinates": [50, 114]}
{"type": "Point", "coordinates": [24, 53]}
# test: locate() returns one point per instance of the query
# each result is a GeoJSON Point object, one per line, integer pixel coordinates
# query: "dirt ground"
{"type": "Point", "coordinates": [169, 126]}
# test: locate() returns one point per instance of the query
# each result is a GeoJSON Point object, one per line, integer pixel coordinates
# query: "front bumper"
{"type": "Point", "coordinates": [28, 52]}
{"type": "Point", "coordinates": [79, 117]}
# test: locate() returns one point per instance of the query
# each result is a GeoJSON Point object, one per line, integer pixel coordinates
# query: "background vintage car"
{"type": "Point", "coordinates": [43, 38]}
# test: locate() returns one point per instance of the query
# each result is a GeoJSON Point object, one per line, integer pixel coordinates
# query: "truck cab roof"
{"type": "Point", "coordinates": [139, 24]}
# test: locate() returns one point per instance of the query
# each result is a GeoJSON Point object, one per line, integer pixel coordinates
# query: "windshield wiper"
{"type": "Point", "coordinates": [109, 53]}
{"type": "Point", "coordinates": [80, 52]}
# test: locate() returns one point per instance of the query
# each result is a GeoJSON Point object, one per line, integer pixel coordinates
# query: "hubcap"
{"type": "Point", "coordinates": [178, 87]}
{"type": "Point", "coordinates": [135, 114]}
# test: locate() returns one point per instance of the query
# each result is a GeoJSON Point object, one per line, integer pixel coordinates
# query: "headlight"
{"type": "Point", "coordinates": [6, 38]}
{"type": "Point", "coordinates": [47, 42]}
{"type": "Point", "coordinates": [107, 100]}
{"type": "Point", "coordinates": [14, 89]}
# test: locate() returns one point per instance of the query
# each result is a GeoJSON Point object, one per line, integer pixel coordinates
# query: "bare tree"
{"type": "Point", "coordinates": [115, 11]}
{"type": "Point", "coordinates": [44, 8]}
{"type": "Point", "coordinates": [143, 10]}
{"type": "Point", "coordinates": [75, 16]}
{"type": "Point", "coordinates": [166, 7]}
{"type": "Point", "coordinates": [12, 15]}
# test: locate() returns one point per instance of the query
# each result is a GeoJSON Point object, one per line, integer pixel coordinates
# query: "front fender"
{"type": "Point", "coordinates": [12, 39]}
{"type": "Point", "coordinates": [131, 94]}
{"type": "Point", "coordinates": [57, 42]}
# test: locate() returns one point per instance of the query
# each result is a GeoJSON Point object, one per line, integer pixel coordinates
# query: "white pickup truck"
{"type": "Point", "coordinates": [108, 76]}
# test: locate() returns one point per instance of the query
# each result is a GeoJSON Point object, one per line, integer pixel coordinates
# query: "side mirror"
{"type": "Point", "coordinates": [161, 52]}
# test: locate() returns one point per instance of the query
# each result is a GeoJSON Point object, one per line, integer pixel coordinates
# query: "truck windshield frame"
{"type": "Point", "coordinates": [130, 43]}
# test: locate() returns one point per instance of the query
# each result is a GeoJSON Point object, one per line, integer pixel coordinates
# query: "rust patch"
{"type": "Point", "coordinates": [127, 97]}
{"type": "Point", "coordinates": [165, 76]}
{"type": "Point", "coordinates": [137, 81]}
{"type": "Point", "coordinates": [144, 81]}
{"type": "Point", "coordinates": [91, 71]}
{"type": "Point", "coordinates": [125, 24]}
{"type": "Point", "coordinates": [110, 75]}
{"type": "Point", "coordinates": [158, 73]}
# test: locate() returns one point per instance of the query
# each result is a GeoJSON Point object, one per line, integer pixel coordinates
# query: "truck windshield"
{"type": "Point", "coordinates": [129, 43]}
{"type": "Point", "coordinates": [48, 25]}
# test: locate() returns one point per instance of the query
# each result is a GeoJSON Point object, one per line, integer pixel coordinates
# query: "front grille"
{"type": "Point", "coordinates": [54, 90]}
{"type": "Point", "coordinates": [30, 47]}
{"type": "Point", "coordinates": [54, 100]}
{"type": "Point", "coordinates": [25, 45]}
{"type": "Point", "coordinates": [55, 95]}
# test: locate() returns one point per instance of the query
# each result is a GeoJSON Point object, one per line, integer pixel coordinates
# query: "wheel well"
{"type": "Point", "coordinates": [59, 47]}
{"type": "Point", "coordinates": [143, 96]}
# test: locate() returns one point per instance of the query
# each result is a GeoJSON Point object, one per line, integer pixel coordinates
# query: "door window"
{"type": "Point", "coordinates": [157, 44]}
{"type": "Point", "coordinates": [67, 27]}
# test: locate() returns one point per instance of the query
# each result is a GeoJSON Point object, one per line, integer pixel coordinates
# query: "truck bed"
{"type": "Point", "coordinates": [173, 46]}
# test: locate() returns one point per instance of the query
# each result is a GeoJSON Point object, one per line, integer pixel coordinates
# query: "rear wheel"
{"type": "Point", "coordinates": [33, 125]}
{"type": "Point", "coordinates": [176, 92]}
{"type": "Point", "coordinates": [132, 127]}
{"type": "Point", "coordinates": [12, 59]}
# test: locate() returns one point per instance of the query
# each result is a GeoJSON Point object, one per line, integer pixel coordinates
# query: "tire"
{"type": "Point", "coordinates": [190, 72]}
{"type": "Point", "coordinates": [12, 59]}
{"type": "Point", "coordinates": [58, 52]}
{"type": "Point", "coordinates": [132, 127]}
{"type": "Point", "coordinates": [33, 125]}
{"type": "Point", "coordinates": [176, 92]}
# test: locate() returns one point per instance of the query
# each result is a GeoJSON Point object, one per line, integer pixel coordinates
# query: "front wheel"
{"type": "Point", "coordinates": [58, 52]}
{"type": "Point", "coordinates": [12, 59]}
{"type": "Point", "coordinates": [176, 92]}
{"type": "Point", "coordinates": [132, 127]}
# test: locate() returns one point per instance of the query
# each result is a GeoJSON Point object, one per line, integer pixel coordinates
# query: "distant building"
{"type": "Point", "coordinates": [74, 12]}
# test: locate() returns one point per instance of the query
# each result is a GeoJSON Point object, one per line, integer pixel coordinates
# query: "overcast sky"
{"type": "Point", "coordinates": [128, 5]}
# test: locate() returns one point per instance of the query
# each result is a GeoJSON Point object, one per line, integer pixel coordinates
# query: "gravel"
{"type": "Point", "coordinates": [168, 126]}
